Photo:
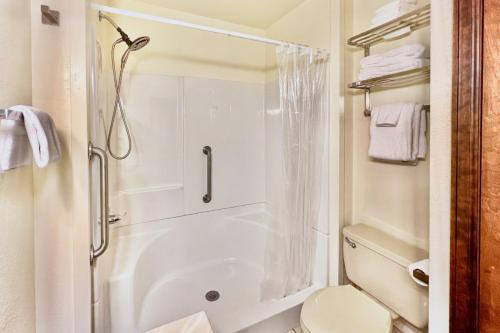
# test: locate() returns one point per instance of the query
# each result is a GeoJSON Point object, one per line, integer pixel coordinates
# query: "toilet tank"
{"type": "Point", "coordinates": [377, 263]}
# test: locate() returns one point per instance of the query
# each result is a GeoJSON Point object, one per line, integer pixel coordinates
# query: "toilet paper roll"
{"type": "Point", "coordinates": [423, 266]}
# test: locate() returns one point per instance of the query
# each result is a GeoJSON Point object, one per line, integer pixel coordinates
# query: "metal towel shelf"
{"type": "Point", "coordinates": [414, 20]}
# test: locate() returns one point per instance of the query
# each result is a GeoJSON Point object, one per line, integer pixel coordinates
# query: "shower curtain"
{"type": "Point", "coordinates": [291, 244]}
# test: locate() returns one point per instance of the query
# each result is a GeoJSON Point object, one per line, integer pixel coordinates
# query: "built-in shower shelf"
{"type": "Point", "coordinates": [414, 20]}
{"type": "Point", "coordinates": [412, 76]}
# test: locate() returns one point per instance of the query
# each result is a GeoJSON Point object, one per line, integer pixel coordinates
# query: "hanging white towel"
{"type": "Point", "coordinates": [42, 134]}
{"type": "Point", "coordinates": [15, 148]}
{"type": "Point", "coordinates": [388, 116]}
{"type": "Point", "coordinates": [422, 145]}
{"type": "Point", "coordinates": [394, 143]}
{"type": "Point", "coordinates": [398, 132]}
{"type": "Point", "coordinates": [416, 130]}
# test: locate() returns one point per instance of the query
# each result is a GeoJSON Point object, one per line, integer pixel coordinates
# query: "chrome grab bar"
{"type": "Point", "coordinates": [207, 150]}
{"type": "Point", "coordinates": [104, 200]}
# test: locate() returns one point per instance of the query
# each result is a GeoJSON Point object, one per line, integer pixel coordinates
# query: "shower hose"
{"type": "Point", "coordinates": [118, 105]}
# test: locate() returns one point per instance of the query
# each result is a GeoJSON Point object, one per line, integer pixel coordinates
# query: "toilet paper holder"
{"type": "Point", "coordinates": [421, 276]}
{"type": "Point", "coordinates": [419, 272]}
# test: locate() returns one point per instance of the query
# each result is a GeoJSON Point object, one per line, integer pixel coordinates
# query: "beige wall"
{"type": "Point", "coordinates": [391, 197]}
{"type": "Point", "coordinates": [61, 190]}
{"type": "Point", "coordinates": [17, 293]}
{"type": "Point", "coordinates": [186, 52]}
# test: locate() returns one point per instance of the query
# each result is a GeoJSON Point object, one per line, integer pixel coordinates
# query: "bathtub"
{"type": "Point", "coordinates": [162, 271]}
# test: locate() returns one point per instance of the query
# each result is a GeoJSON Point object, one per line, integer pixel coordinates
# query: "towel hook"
{"type": "Point", "coordinates": [49, 16]}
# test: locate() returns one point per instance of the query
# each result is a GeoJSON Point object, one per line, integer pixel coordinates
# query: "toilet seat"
{"type": "Point", "coordinates": [343, 309]}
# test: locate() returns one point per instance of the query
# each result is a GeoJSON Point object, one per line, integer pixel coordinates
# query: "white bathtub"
{"type": "Point", "coordinates": [162, 271]}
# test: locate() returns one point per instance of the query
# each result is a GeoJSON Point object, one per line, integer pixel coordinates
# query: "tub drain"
{"type": "Point", "coordinates": [212, 295]}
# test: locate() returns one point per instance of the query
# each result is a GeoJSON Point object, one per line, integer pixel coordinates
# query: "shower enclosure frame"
{"type": "Point", "coordinates": [63, 279]}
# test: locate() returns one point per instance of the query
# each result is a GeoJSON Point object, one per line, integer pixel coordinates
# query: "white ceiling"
{"type": "Point", "coordinates": [254, 13]}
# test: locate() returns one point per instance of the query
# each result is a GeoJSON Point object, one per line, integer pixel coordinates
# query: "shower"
{"type": "Point", "coordinates": [133, 45]}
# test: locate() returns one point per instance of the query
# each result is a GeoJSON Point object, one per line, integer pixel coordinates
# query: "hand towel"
{"type": "Point", "coordinates": [416, 130]}
{"type": "Point", "coordinates": [422, 145]}
{"type": "Point", "coordinates": [405, 51]}
{"type": "Point", "coordinates": [388, 116]}
{"type": "Point", "coordinates": [15, 149]}
{"type": "Point", "coordinates": [42, 134]}
{"type": "Point", "coordinates": [373, 72]}
{"type": "Point", "coordinates": [392, 143]}
{"type": "Point", "coordinates": [403, 139]}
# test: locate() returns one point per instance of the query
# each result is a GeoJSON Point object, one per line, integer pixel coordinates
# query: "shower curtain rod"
{"type": "Point", "coordinates": [165, 20]}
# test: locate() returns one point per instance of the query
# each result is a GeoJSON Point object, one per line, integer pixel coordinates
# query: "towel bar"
{"type": "Point", "coordinates": [425, 108]}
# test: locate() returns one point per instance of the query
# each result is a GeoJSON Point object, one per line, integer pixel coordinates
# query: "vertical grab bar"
{"type": "Point", "coordinates": [104, 199]}
{"type": "Point", "coordinates": [207, 150]}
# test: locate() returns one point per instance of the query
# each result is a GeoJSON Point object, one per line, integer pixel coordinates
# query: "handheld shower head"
{"type": "Point", "coordinates": [133, 45]}
{"type": "Point", "coordinates": [139, 43]}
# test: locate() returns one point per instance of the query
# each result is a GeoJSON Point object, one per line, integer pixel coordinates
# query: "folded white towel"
{"type": "Point", "coordinates": [372, 72]}
{"type": "Point", "coordinates": [42, 134]}
{"type": "Point", "coordinates": [395, 55]}
{"type": "Point", "coordinates": [404, 140]}
{"type": "Point", "coordinates": [386, 61]}
{"type": "Point", "coordinates": [422, 145]}
{"type": "Point", "coordinates": [397, 4]}
{"type": "Point", "coordinates": [391, 14]}
{"type": "Point", "coordinates": [388, 116]}
{"type": "Point", "coordinates": [392, 143]}
{"type": "Point", "coordinates": [15, 149]}
{"type": "Point", "coordinates": [391, 11]}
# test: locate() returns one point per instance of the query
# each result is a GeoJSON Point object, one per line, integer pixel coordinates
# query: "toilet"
{"type": "Point", "coordinates": [382, 291]}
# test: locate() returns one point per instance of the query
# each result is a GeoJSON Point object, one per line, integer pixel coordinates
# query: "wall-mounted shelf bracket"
{"type": "Point", "coordinates": [413, 76]}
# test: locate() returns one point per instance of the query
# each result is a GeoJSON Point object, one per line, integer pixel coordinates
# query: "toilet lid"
{"type": "Point", "coordinates": [344, 309]}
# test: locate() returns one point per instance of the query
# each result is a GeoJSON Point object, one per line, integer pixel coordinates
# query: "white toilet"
{"type": "Point", "coordinates": [377, 263]}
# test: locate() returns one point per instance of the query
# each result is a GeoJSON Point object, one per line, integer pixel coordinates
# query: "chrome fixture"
{"type": "Point", "coordinates": [207, 150]}
{"type": "Point", "coordinates": [189, 25]}
{"type": "Point", "coordinates": [416, 19]}
{"type": "Point", "coordinates": [350, 242]}
{"type": "Point", "coordinates": [133, 45]}
{"type": "Point", "coordinates": [104, 201]}
{"type": "Point", "coordinates": [114, 218]}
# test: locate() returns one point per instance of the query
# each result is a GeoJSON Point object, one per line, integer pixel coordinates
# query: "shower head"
{"type": "Point", "coordinates": [134, 45]}
{"type": "Point", "coordinates": [138, 43]}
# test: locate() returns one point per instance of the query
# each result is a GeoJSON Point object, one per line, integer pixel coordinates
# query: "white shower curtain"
{"type": "Point", "coordinates": [291, 244]}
